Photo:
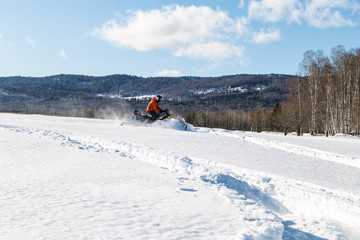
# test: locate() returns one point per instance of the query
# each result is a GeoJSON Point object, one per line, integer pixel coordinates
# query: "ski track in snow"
{"type": "Point", "coordinates": [286, 205]}
{"type": "Point", "coordinates": [291, 148]}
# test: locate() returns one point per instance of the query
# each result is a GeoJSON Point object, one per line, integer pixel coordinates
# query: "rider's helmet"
{"type": "Point", "coordinates": [158, 98]}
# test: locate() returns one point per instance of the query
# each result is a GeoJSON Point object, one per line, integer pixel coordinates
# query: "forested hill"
{"type": "Point", "coordinates": [207, 93]}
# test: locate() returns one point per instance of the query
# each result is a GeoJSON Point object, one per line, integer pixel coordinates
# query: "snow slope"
{"type": "Point", "coordinates": [72, 178]}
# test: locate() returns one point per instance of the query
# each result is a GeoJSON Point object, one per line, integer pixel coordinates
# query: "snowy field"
{"type": "Point", "coordinates": [72, 178]}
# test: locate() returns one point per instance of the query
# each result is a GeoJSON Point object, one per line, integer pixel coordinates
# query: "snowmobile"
{"type": "Point", "coordinates": [141, 118]}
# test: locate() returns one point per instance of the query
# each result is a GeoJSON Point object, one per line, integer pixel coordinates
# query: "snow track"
{"type": "Point", "coordinates": [306, 151]}
{"type": "Point", "coordinates": [271, 207]}
{"type": "Point", "coordinates": [292, 148]}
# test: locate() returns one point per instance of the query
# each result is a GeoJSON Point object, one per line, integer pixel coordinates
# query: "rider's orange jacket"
{"type": "Point", "coordinates": [153, 106]}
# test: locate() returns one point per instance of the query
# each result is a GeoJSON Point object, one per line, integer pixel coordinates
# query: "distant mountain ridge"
{"type": "Point", "coordinates": [241, 92]}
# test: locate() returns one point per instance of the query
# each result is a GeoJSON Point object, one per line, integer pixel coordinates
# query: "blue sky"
{"type": "Point", "coordinates": [170, 38]}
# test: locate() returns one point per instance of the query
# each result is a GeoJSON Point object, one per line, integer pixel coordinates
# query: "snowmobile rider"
{"type": "Point", "coordinates": [153, 108]}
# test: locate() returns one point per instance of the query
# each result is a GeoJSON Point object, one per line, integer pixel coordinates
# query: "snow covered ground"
{"type": "Point", "coordinates": [72, 178]}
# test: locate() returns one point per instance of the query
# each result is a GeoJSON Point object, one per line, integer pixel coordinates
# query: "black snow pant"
{"type": "Point", "coordinates": [154, 115]}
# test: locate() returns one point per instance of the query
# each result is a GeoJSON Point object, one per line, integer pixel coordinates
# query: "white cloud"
{"type": "Point", "coordinates": [201, 32]}
{"type": "Point", "coordinates": [275, 10]}
{"type": "Point", "coordinates": [30, 41]}
{"type": "Point", "coordinates": [326, 13]}
{"type": "Point", "coordinates": [1, 36]}
{"type": "Point", "coordinates": [240, 26]}
{"type": "Point", "coordinates": [169, 73]}
{"type": "Point", "coordinates": [267, 36]}
{"type": "Point", "coordinates": [317, 13]}
{"type": "Point", "coordinates": [213, 51]}
{"type": "Point", "coordinates": [241, 4]}
{"type": "Point", "coordinates": [62, 53]}
{"type": "Point", "coordinates": [175, 28]}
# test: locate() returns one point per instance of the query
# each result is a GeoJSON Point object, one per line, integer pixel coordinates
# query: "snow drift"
{"type": "Point", "coordinates": [86, 178]}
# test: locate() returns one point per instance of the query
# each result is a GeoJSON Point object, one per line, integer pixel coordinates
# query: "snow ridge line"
{"type": "Point", "coordinates": [305, 151]}
{"type": "Point", "coordinates": [291, 148]}
{"type": "Point", "coordinates": [284, 196]}
{"type": "Point", "coordinates": [171, 161]}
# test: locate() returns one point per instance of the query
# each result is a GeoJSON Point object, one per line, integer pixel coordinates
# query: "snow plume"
{"type": "Point", "coordinates": [118, 110]}
{"type": "Point", "coordinates": [120, 113]}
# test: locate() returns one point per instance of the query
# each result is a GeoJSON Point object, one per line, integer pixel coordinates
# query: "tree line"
{"type": "Point", "coordinates": [324, 98]}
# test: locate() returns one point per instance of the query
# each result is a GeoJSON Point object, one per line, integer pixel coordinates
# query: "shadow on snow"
{"type": "Point", "coordinates": [250, 192]}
